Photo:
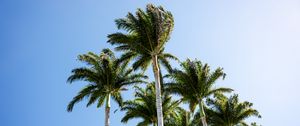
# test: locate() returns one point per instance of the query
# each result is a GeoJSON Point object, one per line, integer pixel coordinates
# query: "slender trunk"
{"type": "Point", "coordinates": [187, 118]}
{"type": "Point", "coordinates": [107, 110]}
{"type": "Point", "coordinates": [157, 91]}
{"type": "Point", "coordinates": [202, 113]}
{"type": "Point", "coordinates": [204, 123]}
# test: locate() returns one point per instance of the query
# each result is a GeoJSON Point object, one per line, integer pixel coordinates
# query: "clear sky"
{"type": "Point", "coordinates": [257, 42]}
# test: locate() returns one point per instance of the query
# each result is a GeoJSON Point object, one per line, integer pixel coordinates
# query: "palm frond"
{"type": "Point", "coordinates": [85, 92]}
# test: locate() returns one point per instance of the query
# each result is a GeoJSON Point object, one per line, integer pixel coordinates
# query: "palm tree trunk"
{"type": "Point", "coordinates": [202, 113]}
{"type": "Point", "coordinates": [187, 118]}
{"type": "Point", "coordinates": [157, 91]}
{"type": "Point", "coordinates": [107, 110]}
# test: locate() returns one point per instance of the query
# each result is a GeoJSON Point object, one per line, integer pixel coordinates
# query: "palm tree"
{"type": "Point", "coordinates": [106, 79]}
{"type": "Point", "coordinates": [195, 83]}
{"type": "Point", "coordinates": [147, 33]}
{"type": "Point", "coordinates": [144, 107]}
{"type": "Point", "coordinates": [229, 111]}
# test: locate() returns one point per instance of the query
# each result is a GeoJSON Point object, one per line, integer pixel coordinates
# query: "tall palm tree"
{"type": "Point", "coordinates": [195, 83]}
{"type": "Point", "coordinates": [147, 33]}
{"type": "Point", "coordinates": [106, 79]}
{"type": "Point", "coordinates": [229, 111]}
{"type": "Point", "coordinates": [144, 107]}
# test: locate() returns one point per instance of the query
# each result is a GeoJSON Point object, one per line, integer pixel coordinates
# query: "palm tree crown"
{"type": "Point", "coordinates": [143, 106]}
{"type": "Point", "coordinates": [229, 111]}
{"type": "Point", "coordinates": [147, 33]}
{"type": "Point", "coordinates": [105, 77]}
{"type": "Point", "coordinates": [194, 83]}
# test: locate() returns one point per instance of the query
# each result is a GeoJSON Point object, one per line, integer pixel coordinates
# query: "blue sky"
{"type": "Point", "coordinates": [257, 43]}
